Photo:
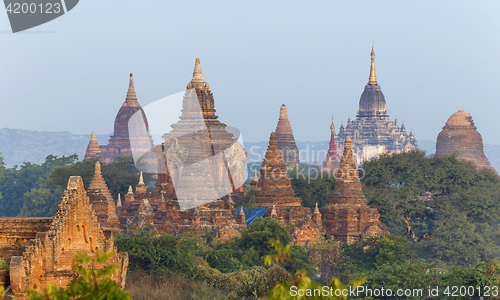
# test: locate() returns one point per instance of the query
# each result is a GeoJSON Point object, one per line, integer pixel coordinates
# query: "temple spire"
{"type": "Point", "coordinates": [93, 150]}
{"type": "Point", "coordinates": [197, 74]}
{"type": "Point", "coordinates": [197, 81]}
{"type": "Point", "coordinates": [332, 127]}
{"type": "Point", "coordinates": [373, 77]}
{"type": "Point", "coordinates": [131, 99]}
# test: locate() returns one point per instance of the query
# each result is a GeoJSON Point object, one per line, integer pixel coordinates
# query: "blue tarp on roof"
{"type": "Point", "coordinates": [252, 214]}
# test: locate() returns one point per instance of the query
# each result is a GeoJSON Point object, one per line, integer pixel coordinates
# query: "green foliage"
{"type": "Point", "coordinates": [16, 182]}
{"type": "Point", "coordinates": [328, 256]}
{"type": "Point", "coordinates": [92, 283]}
{"type": "Point", "coordinates": [258, 234]}
{"type": "Point", "coordinates": [250, 203]}
{"type": "Point", "coordinates": [446, 206]}
{"type": "Point", "coordinates": [118, 175]}
{"type": "Point", "coordinates": [311, 186]}
{"type": "Point", "coordinates": [369, 254]}
{"type": "Point", "coordinates": [159, 254]}
{"type": "Point", "coordinates": [302, 287]}
{"type": "Point", "coordinates": [41, 201]}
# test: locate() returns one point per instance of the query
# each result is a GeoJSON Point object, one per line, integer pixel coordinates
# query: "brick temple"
{"type": "Point", "coordinates": [274, 190]}
{"type": "Point", "coordinates": [200, 178]}
{"type": "Point", "coordinates": [460, 136]}
{"type": "Point", "coordinates": [123, 142]}
{"type": "Point", "coordinates": [41, 250]}
{"type": "Point", "coordinates": [347, 216]}
{"type": "Point", "coordinates": [93, 150]}
{"type": "Point", "coordinates": [372, 132]}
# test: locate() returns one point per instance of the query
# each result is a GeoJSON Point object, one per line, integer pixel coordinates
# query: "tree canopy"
{"type": "Point", "coordinates": [446, 206]}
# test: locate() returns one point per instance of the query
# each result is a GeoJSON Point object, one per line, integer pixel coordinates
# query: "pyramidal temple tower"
{"type": "Point", "coordinates": [274, 191]}
{"type": "Point", "coordinates": [347, 216]}
{"type": "Point", "coordinates": [286, 141]}
{"type": "Point", "coordinates": [332, 161]}
{"type": "Point", "coordinates": [274, 186]}
{"type": "Point", "coordinates": [199, 145]}
{"type": "Point", "coordinates": [372, 132]}
{"type": "Point", "coordinates": [120, 143]}
{"type": "Point", "coordinates": [93, 150]}
{"type": "Point", "coordinates": [100, 198]}
{"type": "Point", "coordinates": [459, 136]}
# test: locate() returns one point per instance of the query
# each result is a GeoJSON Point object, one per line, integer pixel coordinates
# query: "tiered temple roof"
{"type": "Point", "coordinates": [200, 145]}
{"type": "Point", "coordinates": [347, 216]}
{"type": "Point", "coordinates": [93, 150]}
{"type": "Point", "coordinates": [102, 202]}
{"type": "Point", "coordinates": [120, 142]}
{"type": "Point", "coordinates": [274, 187]}
{"type": "Point", "coordinates": [372, 132]}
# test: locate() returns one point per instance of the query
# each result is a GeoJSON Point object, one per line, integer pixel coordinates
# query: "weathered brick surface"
{"type": "Point", "coordinates": [286, 141]}
{"type": "Point", "coordinates": [459, 136]}
{"type": "Point", "coordinates": [48, 258]}
{"type": "Point", "coordinates": [274, 186]}
{"type": "Point", "coordinates": [93, 150]}
{"type": "Point", "coordinates": [102, 202]}
{"type": "Point", "coordinates": [119, 142]}
{"type": "Point", "coordinates": [15, 235]}
{"type": "Point", "coordinates": [347, 216]}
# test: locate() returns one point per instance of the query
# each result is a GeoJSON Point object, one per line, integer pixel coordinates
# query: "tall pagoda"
{"type": "Point", "coordinates": [200, 149]}
{"type": "Point", "coordinates": [347, 216]}
{"type": "Point", "coordinates": [372, 132]}
{"type": "Point", "coordinates": [120, 142]}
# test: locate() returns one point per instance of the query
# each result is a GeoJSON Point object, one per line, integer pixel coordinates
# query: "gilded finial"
{"type": "Point", "coordinates": [332, 127]}
{"type": "Point", "coordinates": [373, 78]}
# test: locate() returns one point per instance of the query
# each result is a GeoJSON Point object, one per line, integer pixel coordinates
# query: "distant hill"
{"type": "Point", "coordinates": [19, 145]}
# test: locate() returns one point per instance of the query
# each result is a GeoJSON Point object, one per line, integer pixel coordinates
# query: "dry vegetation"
{"type": "Point", "coordinates": [174, 287]}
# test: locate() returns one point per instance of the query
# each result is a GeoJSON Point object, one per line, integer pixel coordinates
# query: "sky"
{"type": "Point", "coordinates": [432, 59]}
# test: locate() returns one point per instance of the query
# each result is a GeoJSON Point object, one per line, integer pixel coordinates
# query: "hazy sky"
{"type": "Point", "coordinates": [432, 59]}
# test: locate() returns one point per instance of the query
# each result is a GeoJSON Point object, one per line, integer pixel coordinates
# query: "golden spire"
{"type": "Point", "coordinates": [332, 127]}
{"type": "Point", "coordinates": [373, 77]}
